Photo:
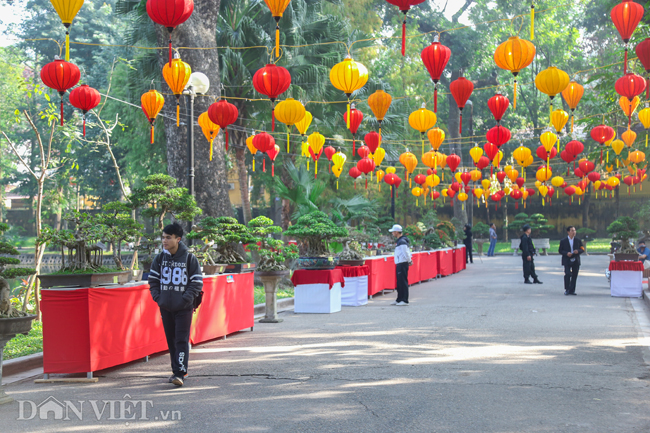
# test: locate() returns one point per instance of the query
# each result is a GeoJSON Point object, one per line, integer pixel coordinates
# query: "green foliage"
{"type": "Point", "coordinates": [481, 230]}
{"type": "Point", "coordinates": [225, 233]}
{"type": "Point", "coordinates": [118, 227]}
{"type": "Point", "coordinates": [430, 219]}
{"type": "Point", "coordinates": [624, 229]}
{"type": "Point", "coordinates": [23, 345]}
{"type": "Point", "coordinates": [10, 273]}
{"type": "Point", "coordinates": [585, 232]}
{"type": "Point", "coordinates": [414, 233]}
{"type": "Point", "coordinates": [315, 230]}
{"type": "Point", "coordinates": [446, 232]}
{"type": "Point", "coordinates": [273, 252]}
{"type": "Point", "coordinates": [432, 240]}
{"type": "Point", "coordinates": [537, 223]}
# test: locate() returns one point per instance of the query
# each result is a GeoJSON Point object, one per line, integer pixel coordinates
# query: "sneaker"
{"type": "Point", "coordinates": [171, 378]}
{"type": "Point", "coordinates": [393, 303]}
{"type": "Point", "coordinates": [402, 303]}
{"type": "Point", "coordinates": [536, 281]}
{"type": "Point", "coordinates": [177, 381]}
{"type": "Point", "coordinates": [527, 282]}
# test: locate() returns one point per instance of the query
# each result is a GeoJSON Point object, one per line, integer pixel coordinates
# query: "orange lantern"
{"type": "Point", "coordinates": [572, 95]}
{"type": "Point", "coordinates": [277, 8]}
{"type": "Point", "coordinates": [251, 148]}
{"type": "Point", "coordinates": [379, 103]}
{"type": "Point", "coordinates": [514, 55]}
{"type": "Point", "coordinates": [152, 102]}
{"type": "Point", "coordinates": [209, 128]}
{"type": "Point", "coordinates": [177, 74]}
{"type": "Point", "coordinates": [409, 161]}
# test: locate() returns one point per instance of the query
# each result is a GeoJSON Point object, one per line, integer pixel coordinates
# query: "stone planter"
{"type": "Point", "coordinates": [85, 280]}
{"type": "Point", "coordinates": [9, 328]}
{"type": "Point", "coordinates": [351, 262]}
{"type": "Point", "coordinates": [270, 279]}
{"type": "Point", "coordinates": [316, 263]}
{"type": "Point", "coordinates": [619, 257]}
{"type": "Point", "coordinates": [214, 269]}
{"type": "Point", "coordinates": [136, 274]}
{"type": "Point", "coordinates": [479, 244]}
{"type": "Point", "coordinates": [239, 268]}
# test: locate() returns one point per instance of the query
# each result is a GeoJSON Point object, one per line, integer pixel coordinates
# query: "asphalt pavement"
{"type": "Point", "coordinates": [478, 351]}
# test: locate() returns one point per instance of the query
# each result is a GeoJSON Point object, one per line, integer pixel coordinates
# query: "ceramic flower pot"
{"type": "Point", "coordinates": [316, 263]}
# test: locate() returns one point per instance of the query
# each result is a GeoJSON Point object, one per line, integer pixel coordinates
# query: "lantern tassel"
{"type": "Point", "coordinates": [67, 45]}
{"type": "Point", "coordinates": [625, 61]}
{"type": "Point", "coordinates": [347, 120]}
{"type": "Point", "coordinates": [84, 122]}
{"type": "Point", "coordinates": [460, 124]}
{"type": "Point", "coordinates": [422, 136]}
{"type": "Point", "coordinates": [178, 114]}
{"type": "Point", "coordinates": [514, 102]}
{"type": "Point", "coordinates": [170, 47]}
{"type": "Point", "coordinates": [315, 169]}
{"type": "Point", "coordinates": [404, 35]}
{"type": "Point", "coordinates": [435, 98]}
{"type": "Point", "coordinates": [337, 184]}
{"type": "Point", "coordinates": [572, 123]}
{"type": "Point", "coordinates": [416, 203]}
{"type": "Point", "coordinates": [601, 156]}
{"type": "Point", "coordinates": [287, 141]}
{"type": "Point", "coordinates": [253, 164]}
{"type": "Point", "coordinates": [272, 118]}
{"type": "Point", "coordinates": [646, 139]}
{"type": "Point", "coordinates": [263, 164]}
{"type": "Point", "coordinates": [366, 182]}
{"type": "Point", "coordinates": [211, 152]}
{"type": "Point", "coordinates": [277, 39]}
{"type": "Point", "coordinates": [61, 110]}
{"type": "Point", "coordinates": [226, 129]}
{"type": "Point", "coordinates": [532, 22]}
{"type": "Point", "coordinates": [152, 133]}
{"type": "Point", "coordinates": [272, 169]}
{"type": "Point", "coordinates": [353, 146]}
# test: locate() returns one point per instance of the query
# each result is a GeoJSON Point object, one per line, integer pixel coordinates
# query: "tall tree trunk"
{"type": "Point", "coordinates": [240, 156]}
{"type": "Point", "coordinates": [585, 206]}
{"type": "Point", "coordinates": [618, 201]}
{"type": "Point", "coordinates": [505, 220]}
{"type": "Point", "coordinates": [211, 177]}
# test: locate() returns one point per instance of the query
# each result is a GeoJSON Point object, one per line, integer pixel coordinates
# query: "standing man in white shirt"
{"type": "Point", "coordinates": [571, 248]}
{"type": "Point", "coordinates": [402, 262]}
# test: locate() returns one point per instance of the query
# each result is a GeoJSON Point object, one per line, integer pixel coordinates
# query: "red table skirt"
{"type": "Point", "coordinates": [446, 262]}
{"type": "Point", "coordinates": [414, 269]}
{"type": "Point", "coordinates": [428, 265]}
{"type": "Point", "coordinates": [91, 329]}
{"type": "Point", "coordinates": [459, 259]}
{"type": "Point", "coordinates": [381, 274]}
{"type": "Point", "coordinates": [330, 277]}
{"type": "Point", "coordinates": [626, 266]}
{"type": "Point", "coordinates": [354, 271]}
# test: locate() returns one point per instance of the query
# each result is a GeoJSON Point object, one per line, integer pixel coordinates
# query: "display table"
{"type": "Point", "coordinates": [90, 329]}
{"type": "Point", "coordinates": [626, 279]}
{"type": "Point", "coordinates": [460, 258]}
{"type": "Point", "coordinates": [317, 291]}
{"type": "Point", "coordinates": [428, 265]}
{"type": "Point", "coordinates": [446, 262]}
{"type": "Point", "coordinates": [355, 292]}
{"type": "Point", "coordinates": [414, 269]}
{"type": "Point", "coordinates": [381, 274]}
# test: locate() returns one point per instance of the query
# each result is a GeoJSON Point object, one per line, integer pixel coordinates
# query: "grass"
{"type": "Point", "coordinates": [260, 296]}
{"type": "Point", "coordinates": [22, 345]}
{"type": "Point", "coordinates": [600, 245]}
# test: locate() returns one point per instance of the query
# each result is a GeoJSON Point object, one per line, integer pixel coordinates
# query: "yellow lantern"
{"type": "Point", "coordinates": [417, 192]}
{"type": "Point", "coordinates": [476, 153]}
{"type": "Point", "coordinates": [514, 55]}
{"type": "Point", "coordinates": [432, 180]}
{"type": "Point", "coordinates": [572, 95]}
{"type": "Point", "coordinates": [644, 118]}
{"type": "Point", "coordinates": [557, 181]}
{"type": "Point", "coordinates": [524, 195]}
{"type": "Point", "coordinates": [617, 146]}
{"type": "Point", "coordinates": [543, 190]}
{"type": "Point", "coordinates": [378, 156]}
{"type": "Point", "coordinates": [379, 103]}
{"type": "Point", "coordinates": [380, 176]}
{"type": "Point", "coordinates": [552, 81]}
{"type": "Point", "coordinates": [528, 161]}
{"type": "Point", "coordinates": [436, 136]}
{"type": "Point", "coordinates": [478, 192]}
{"type": "Point", "coordinates": [337, 170]}
{"type": "Point", "coordinates": [177, 74]}
{"type": "Point", "coordinates": [485, 183]}
{"type": "Point", "coordinates": [613, 182]}
{"type": "Point", "coordinates": [152, 102]}
{"type": "Point", "coordinates": [67, 10]}
{"type": "Point", "coordinates": [210, 130]}
{"type": "Point", "coordinates": [458, 177]}
{"type": "Point", "coordinates": [462, 196]}
{"type": "Point", "coordinates": [538, 183]}
{"type": "Point", "coordinates": [548, 140]}
{"type": "Point", "coordinates": [579, 190]}
{"type": "Point", "coordinates": [559, 119]}
{"type": "Point", "coordinates": [316, 142]}
{"type": "Point", "coordinates": [422, 120]}
{"type": "Point", "coordinates": [305, 150]}
{"type": "Point", "coordinates": [348, 76]}
{"type": "Point", "coordinates": [521, 154]}
{"type": "Point", "coordinates": [475, 175]}
{"type": "Point", "coordinates": [628, 137]}
{"type": "Point", "coordinates": [304, 123]}
{"type": "Point", "coordinates": [251, 148]}
{"type": "Point", "coordinates": [507, 190]}
{"type": "Point", "coordinates": [497, 158]}
{"type": "Point", "coordinates": [444, 192]}
{"type": "Point", "coordinates": [390, 170]}
{"type": "Point", "coordinates": [290, 112]}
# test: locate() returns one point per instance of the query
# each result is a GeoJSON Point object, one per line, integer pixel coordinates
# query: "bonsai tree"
{"type": "Point", "coordinates": [6, 309]}
{"type": "Point", "coordinates": [149, 242]}
{"type": "Point", "coordinates": [118, 227]}
{"type": "Point", "coordinates": [414, 233]}
{"type": "Point", "coordinates": [273, 252]}
{"type": "Point", "coordinates": [315, 230]}
{"type": "Point", "coordinates": [624, 229]}
{"type": "Point", "coordinates": [225, 233]}
{"type": "Point", "coordinates": [352, 249]}
{"type": "Point", "coordinates": [537, 222]}
{"type": "Point", "coordinates": [481, 230]}
{"type": "Point", "coordinates": [432, 239]}
{"type": "Point", "coordinates": [447, 233]}
{"type": "Point", "coordinates": [584, 233]}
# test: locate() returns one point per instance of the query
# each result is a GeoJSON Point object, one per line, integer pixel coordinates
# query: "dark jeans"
{"type": "Point", "coordinates": [529, 269]}
{"type": "Point", "coordinates": [570, 276]}
{"type": "Point", "coordinates": [177, 331]}
{"type": "Point", "coordinates": [493, 244]}
{"type": "Point", "coordinates": [402, 277]}
{"type": "Point", "coordinates": [468, 254]}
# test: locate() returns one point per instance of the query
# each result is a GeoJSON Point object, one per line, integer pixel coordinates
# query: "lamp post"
{"type": "Point", "coordinates": [198, 84]}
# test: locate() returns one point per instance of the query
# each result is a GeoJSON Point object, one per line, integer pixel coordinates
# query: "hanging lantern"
{"type": "Point", "coordinates": [210, 130]}
{"type": "Point", "coordinates": [60, 76]}
{"type": "Point", "coordinates": [453, 161]}
{"type": "Point", "coordinates": [273, 153]}
{"type": "Point", "coordinates": [379, 103]}
{"type": "Point", "coordinates": [429, 159]}
{"type": "Point", "coordinates": [354, 173]}
{"type": "Point", "coordinates": [290, 112]}
{"type": "Point", "coordinates": [630, 85]}
{"type": "Point", "coordinates": [177, 74]}
{"type": "Point", "coordinates": [644, 117]}
{"type": "Point", "coordinates": [366, 165]}
{"type": "Point", "coordinates": [475, 153]}
{"type": "Point", "coordinates": [422, 120]}
{"type": "Point", "coordinates": [337, 172]}
{"type": "Point", "coordinates": [277, 8]}
{"type": "Point", "coordinates": [404, 6]}
{"type": "Point", "coordinates": [498, 104]}
{"type": "Point", "coordinates": [272, 81]}
{"type": "Point", "coordinates": [514, 55]}
{"type": "Point", "coordinates": [170, 13]}
{"type": "Point", "coordinates": [378, 156]}
{"type": "Point", "coordinates": [329, 153]}
{"type": "Point", "coordinates": [637, 157]}
{"type": "Point", "coordinates": [602, 134]}
{"type": "Point", "coordinates": [409, 161]}
{"type": "Point", "coordinates": [67, 11]}
{"type": "Point", "coordinates": [152, 102]}
{"type": "Point", "coordinates": [521, 155]}
{"type": "Point", "coordinates": [643, 53]}
{"type": "Point", "coordinates": [574, 147]}
{"type": "Point", "coordinates": [302, 127]}
{"type": "Point", "coordinates": [373, 141]}
{"type": "Point", "coordinates": [84, 98]}
{"type": "Point", "coordinates": [551, 81]}
{"type": "Point", "coordinates": [363, 151]}
{"type": "Point", "coordinates": [498, 135]}
{"type": "Point", "coordinates": [348, 76]}
{"type": "Point", "coordinates": [435, 58]}
{"type": "Point", "coordinates": [436, 136]}
{"type": "Point", "coordinates": [572, 95]}
{"type": "Point", "coordinates": [264, 143]}
{"type": "Point", "coordinates": [628, 137]}
{"type": "Point", "coordinates": [249, 143]}
{"type": "Point", "coordinates": [316, 141]}
{"type": "Point", "coordinates": [461, 89]}
{"type": "Point", "coordinates": [559, 118]}
{"type": "Point", "coordinates": [223, 113]}
{"type": "Point", "coordinates": [356, 117]}
{"type": "Point", "coordinates": [626, 16]}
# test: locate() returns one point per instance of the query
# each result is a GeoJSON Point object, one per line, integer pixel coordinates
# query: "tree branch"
{"type": "Point", "coordinates": [13, 148]}
{"type": "Point", "coordinates": [461, 11]}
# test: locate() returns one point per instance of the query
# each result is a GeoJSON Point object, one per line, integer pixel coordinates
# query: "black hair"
{"type": "Point", "coordinates": [525, 227]}
{"type": "Point", "coordinates": [568, 229]}
{"type": "Point", "coordinates": [491, 224]}
{"type": "Point", "coordinates": [174, 229]}
{"type": "Point", "coordinates": [467, 226]}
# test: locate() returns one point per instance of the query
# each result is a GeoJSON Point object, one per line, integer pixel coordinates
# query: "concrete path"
{"type": "Point", "coordinates": [474, 352]}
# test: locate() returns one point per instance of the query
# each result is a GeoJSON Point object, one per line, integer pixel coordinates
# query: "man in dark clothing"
{"type": "Point", "coordinates": [468, 244]}
{"type": "Point", "coordinates": [570, 248]}
{"type": "Point", "coordinates": [527, 253]}
{"type": "Point", "coordinates": [402, 262]}
{"type": "Point", "coordinates": [175, 280]}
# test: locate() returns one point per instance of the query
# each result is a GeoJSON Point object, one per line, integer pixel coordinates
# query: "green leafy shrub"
{"type": "Point", "coordinates": [225, 233]}
{"type": "Point", "coordinates": [624, 229]}
{"type": "Point", "coordinates": [481, 230]}
{"type": "Point", "coordinates": [315, 230]}
{"type": "Point", "coordinates": [6, 307]}
{"type": "Point", "coordinates": [273, 252]}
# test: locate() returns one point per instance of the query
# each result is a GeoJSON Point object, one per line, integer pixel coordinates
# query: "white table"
{"type": "Point", "coordinates": [355, 292]}
{"type": "Point", "coordinates": [318, 298]}
{"type": "Point", "coordinates": [626, 284]}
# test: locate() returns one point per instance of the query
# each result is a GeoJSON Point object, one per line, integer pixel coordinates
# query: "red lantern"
{"type": "Point", "coordinates": [453, 161]}
{"type": "Point", "coordinates": [363, 151]}
{"type": "Point", "coordinates": [629, 180]}
{"type": "Point", "coordinates": [626, 16]}
{"type": "Point", "coordinates": [568, 158]}
{"type": "Point", "coordinates": [451, 193]}
{"type": "Point", "coordinates": [60, 76]}
{"type": "Point", "coordinates": [435, 195]}
{"type": "Point", "coordinates": [630, 85]}
{"type": "Point", "coordinates": [366, 165]}
{"type": "Point", "coordinates": [643, 53]}
{"type": "Point", "coordinates": [356, 117]}
{"type": "Point", "coordinates": [569, 190]}
{"type": "Point", "coordinates": [455, 186]}
{"type": "Point", "coordinates": [372, 141]}
{"type": "Point", "coordinates": [223, 113]}
{"type": "Point", "coordinates": [435, 58]}
{"type": "Point", "coordinates": [272, 80]}
{"type": "Point", "coordinates": [531, 192]}
{"type": "Point", "coordinates": [499, 135]}
{"type": "Point", "coordinates": [498, 104]}
{"type": "Point", "coordinates": [578, 173]}
{"type": "Point", "coordinates": [354, 173]}
{"type": "Point", "coordinates": [404, 6]}
{"type": "Point", "coordinates": [586, 166]}
{"type": "Point", "coordinates": [602, 134]}
{"type": "Point", "coordinates": [466, 177]}
{"type": "Point", "coordinates": [85, 98]}
{"type": "Point", "coordinates": [420, 179]}
{"type": "Point", "coordinates": [170, 13]}
{"type": "Point", "coordinates": [593, 176]}
{"type": "Point", "coordinates": [273, 153]}
{"type": "Point", "coordinates": [483, 162]}
{"type": "Point", "coordinates": [461, 89]}
{"type": "Point", "coordinates": [574, 147]}
{"type": "Point", "coordinates": [491, 150]}
{"type": "Point", "coordinates": [329, 153]}
{"type": "Point", "coordinates": [520, 182]}
{"type": "Point", "coordinates": [543, 154]}
{"type": "Point", "coordinates": [501, 176]}
{"type": "Point", "coordinates": [263, 142]}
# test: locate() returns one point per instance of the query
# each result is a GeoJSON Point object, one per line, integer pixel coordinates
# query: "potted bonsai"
{"type": "Point", "coordinates": [120, 227]}
{"type": "Point", "coordinates": [272, 265]}
{"type": "Point", "coordinates": [352, 254]}
{"type": "Point", "coordinates": [447, 233]}
{"type": "Point", "coordinates": [226, 234]}
{"type": "Point", "coordinates": [623, 230]}
{"type": "Point", "coordinates": [481, 232]}
{"type": "Point", "coordinates": [12, 321]}
{"type": "Point", "coordinates": [584, 233]}
{"type": "Point", "coordinates": [432, 239]}
{"type": "Point", "coordinates": [314, 231]}
{"type": "Point", "coordinates": [415, 234]}
{"type": "Point", "coordinates": [84, 263]}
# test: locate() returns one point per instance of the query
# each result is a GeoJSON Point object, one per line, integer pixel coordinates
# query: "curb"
{"type": "Point", "coordinates": [22, 364]}
{"type": "Point", "coordinates": [284, 304]}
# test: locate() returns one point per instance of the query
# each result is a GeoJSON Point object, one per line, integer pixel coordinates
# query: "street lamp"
{"type": "Point", "coordinates": [198, 84]}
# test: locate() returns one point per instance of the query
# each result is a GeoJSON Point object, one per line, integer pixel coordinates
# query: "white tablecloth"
{"type": "Point", "coordinates": [626, 284]}
{"type": "Point", "coordinates": [317, 298]}
{"type": "Point", "coordinates": [355, 292]}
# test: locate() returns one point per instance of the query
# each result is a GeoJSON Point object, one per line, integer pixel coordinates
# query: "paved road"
{"type": "Point", "coordinates": [474, 352]}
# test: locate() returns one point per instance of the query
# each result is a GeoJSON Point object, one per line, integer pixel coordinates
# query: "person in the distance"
{"type": "Point", "coordinates": [527, 256]}
{"type": "Point", "coordinates": [571, 248]}
{"type": "Point", "coordinates": [402, 262]}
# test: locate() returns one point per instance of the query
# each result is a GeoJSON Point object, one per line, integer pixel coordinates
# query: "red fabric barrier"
{"type": "Point", "coordinates": [414, 269]}
{"type": "Point", "coordinates": [381, 274]}
{"type": "Point", "coordinates": [354, 271]}
{"type": "Point", "coordinates": [626, 266]}
{"type": "Point", "coordinates": [446, 262]}
{"type": "Point", "coordinates": [91, 329]}
{"type": "Point", "coordinates": [331, 277]}
{"type": "Point", "coordinates": [428, 265]}
{"type": "Point", "coordinates": [459, 259]}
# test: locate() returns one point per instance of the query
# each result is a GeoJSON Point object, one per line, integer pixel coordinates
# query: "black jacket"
{"type": "Point", "coordinates": [468, 237]}
{"type": "Point", "coordinates": [565, 248]}
{"type": "Point", "coordinates": [527, 248]}
{"type": "Point", "coordinates": [174, 281]}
